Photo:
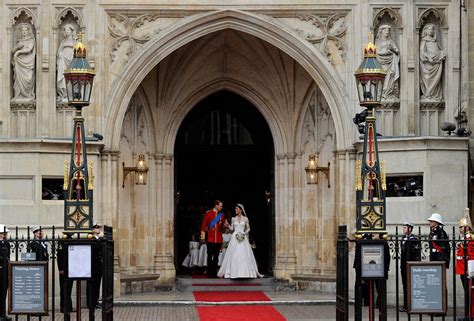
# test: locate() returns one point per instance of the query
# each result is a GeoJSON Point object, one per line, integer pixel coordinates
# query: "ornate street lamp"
{"type": "Point", "coordinates": [78, 177]}
{"type": "Point", "coordinates": [370, 173]}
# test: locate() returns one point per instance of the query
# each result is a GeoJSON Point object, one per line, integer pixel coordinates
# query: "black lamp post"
{"type": "Point", "coordinates": [370, 173]}
{"type": "Point", "coordinates": [78, 177]}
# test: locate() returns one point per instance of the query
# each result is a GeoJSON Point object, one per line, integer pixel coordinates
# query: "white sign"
{"type": "Point", "coordinates": [79, 261]}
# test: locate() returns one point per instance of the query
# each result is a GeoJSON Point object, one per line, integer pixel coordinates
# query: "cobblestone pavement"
{"type": "Point", "coordinates": [293, 312]}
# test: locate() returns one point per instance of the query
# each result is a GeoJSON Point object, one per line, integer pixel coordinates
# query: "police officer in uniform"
{"type": "Point", "coordinates": [38, 246]}
{"type": "Point", "coordinates": [4, 260]}
{"type": "Point", "coordinates": [438, 240]}
{"type": "Point", "coordinates": [93, 286]}
{"type": "Point", "coordinates": [410, 251]}
{"type": "Point", "coordinates": [65, 286]}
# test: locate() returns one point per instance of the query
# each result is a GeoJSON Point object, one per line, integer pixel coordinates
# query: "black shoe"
{"type": "Point", "coordinates": [402, 309]}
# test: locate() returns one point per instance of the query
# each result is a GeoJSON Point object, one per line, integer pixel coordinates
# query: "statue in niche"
{"type": "Point", "coordinates": [64, 58]}
{"type": "Point", "coordinates": [24, 54]}
{"type": "Point", "coordinates": [387, 55]}
{"type": "Point", "coordinates": [431, 64]}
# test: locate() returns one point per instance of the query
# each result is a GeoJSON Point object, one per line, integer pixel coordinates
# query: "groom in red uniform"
{"type": "Point", "coordinates": [213, 222]}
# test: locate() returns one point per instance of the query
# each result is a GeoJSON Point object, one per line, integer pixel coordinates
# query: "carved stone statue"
{"type": "Point", "coordinates": [23, 61]}
{"type": "Point", "coordinates": [387, 55]}
{"type": "Point", "coordinates": [64, 58]}
{"type": "Point", "coordinates": [431, 64]}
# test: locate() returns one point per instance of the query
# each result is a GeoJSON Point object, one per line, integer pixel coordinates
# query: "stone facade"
{"type": "Point", "coordinates": [294, 61]}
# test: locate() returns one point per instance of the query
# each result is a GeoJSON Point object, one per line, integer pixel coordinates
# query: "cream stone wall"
{"type": "Point", "coordinates": [294, 61]}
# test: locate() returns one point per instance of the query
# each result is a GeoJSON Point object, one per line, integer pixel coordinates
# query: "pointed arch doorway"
{"type": "Point", "coordinates": [224, 150]}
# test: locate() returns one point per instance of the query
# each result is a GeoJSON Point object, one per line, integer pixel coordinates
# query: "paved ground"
{"type": "Point", "coordinates": [189, 313]}
{"type": "Point", "coordinates": [180, 306]}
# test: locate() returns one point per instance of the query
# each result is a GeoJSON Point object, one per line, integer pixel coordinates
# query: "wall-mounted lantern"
{"type": "Point", "coordinates": [141, 171]}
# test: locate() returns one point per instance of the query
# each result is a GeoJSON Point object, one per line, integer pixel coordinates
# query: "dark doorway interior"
{"type": "Point", "coordinates": [224, 150]}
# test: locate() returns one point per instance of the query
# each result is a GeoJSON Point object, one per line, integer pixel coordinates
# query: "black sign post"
{"type": "Point", "coordinates": [426, 282]}
{"type": "Point", "coordinates": [28, 288]}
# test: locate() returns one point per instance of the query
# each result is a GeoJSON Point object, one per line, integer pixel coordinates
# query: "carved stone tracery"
{"type": "Point", "coordinates": [130, 33]}
{"type": "Point", "coordinates": [326, 32]}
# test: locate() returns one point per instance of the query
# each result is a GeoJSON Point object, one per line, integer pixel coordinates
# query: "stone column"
{"type": "Point", "coordinates": [280, 233]}
{"type": "Point", "coordinates": [290, 214]}
{"type": "Point", "coordinates": [159, 230]}
{"type": "Point", "coordinates": [164, 256]}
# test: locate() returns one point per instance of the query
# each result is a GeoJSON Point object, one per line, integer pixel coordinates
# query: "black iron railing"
{"type": "Point", "coordinates": [19, 239]}
{"type": "Point", "coordinates": [394, 243]}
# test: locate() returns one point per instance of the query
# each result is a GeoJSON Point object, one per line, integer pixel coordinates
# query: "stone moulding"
{"type": "Point", "coordinates": [23, 105]}
{"type": "Point", "coordinates": [431, 105]}
{"type": "Point", "coordinates": [393, 104]}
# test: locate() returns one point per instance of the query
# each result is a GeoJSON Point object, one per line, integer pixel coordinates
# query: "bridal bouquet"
{"type": "Point", "coordinates": [240, 236]}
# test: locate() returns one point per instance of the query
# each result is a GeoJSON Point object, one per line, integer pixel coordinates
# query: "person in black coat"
{"type": "Point", "coordinates": [4, 260]}
{"type": "Point", "coordinates": [93, 286]}
{"type": "Point", "coordinates": [65, 286]}
{"type": "Point", "coordinates": [38, 246]}
{"type": "Point", "coordinates": [438, 240]}
{"type": "Point", "coordinates": [410, 251]}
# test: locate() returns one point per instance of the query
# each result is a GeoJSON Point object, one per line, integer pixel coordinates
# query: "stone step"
{"type": "Point", "coordinates": [187, 284]}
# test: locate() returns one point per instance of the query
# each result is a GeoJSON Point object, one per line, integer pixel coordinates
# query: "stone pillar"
{"type": "Point", "coordinates": [280, 233]}
{"type": "Point", "coordinates": [292, 222]}
{"type": "Point", "coordinates": [109, 199]}
{"type": "Point", "coordinates": [164, 256]}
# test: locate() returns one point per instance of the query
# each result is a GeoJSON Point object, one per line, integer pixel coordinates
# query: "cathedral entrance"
{"type": "Point", "coordinates": [224, 150]}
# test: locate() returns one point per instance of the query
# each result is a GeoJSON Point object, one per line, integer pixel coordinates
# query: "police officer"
{"type": "Point", "coordinates": [4, 260]}
{"type": "Point", "coordinates": [410, 251]}
{"type": "Point", "coordinates": [65, 286]}
{"type": "Point", "coordinates": [438, 240]}
{"type": "Point", "coordinates": [93, 286]}
{"type": "Point", "coordinates": [38, 246]}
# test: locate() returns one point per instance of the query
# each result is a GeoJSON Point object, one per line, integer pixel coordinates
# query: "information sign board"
{"type": "Point", "coordinates": [426, 283]}
{"type": "Point", "coordinates": [28, 282]}
{"type": "Point", "coordinates": [79, 261]}
{"type": "Point", "coordinates": [372, 260]}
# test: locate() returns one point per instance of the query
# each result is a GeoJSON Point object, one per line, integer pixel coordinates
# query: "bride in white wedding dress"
{"type": "Point", "coordinates": [239, 261]}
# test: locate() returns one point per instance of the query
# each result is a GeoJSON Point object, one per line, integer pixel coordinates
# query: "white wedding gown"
{"type": "Point", "coordinates": [239, 261]}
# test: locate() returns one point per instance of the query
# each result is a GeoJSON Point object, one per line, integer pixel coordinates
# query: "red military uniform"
{"type": "Point", "coordinates": [460, 254]}
{"type": "Point", "coordinates": [214, 234]}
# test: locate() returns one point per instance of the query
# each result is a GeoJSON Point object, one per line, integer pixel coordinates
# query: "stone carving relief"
{"type": "Point", "coordinates": [23, 61]}
{"type": "Point", "coordinates": [135, 136]}
{"type": "Point", "coordinates": [318, 125]}
{"type": "Point", "coordinates": [431, 64]}
{"type": "Point", "coordinates": [69, 25]}
{"type": "Point", "coordinates": [326, 32]}
{"type": "Point", "coordinates": [130, 33]}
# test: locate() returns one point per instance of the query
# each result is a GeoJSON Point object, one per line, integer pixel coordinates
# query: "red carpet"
{"type": "Point", "coordinates": [226, 284]}
{"type": "Point", "coordinates": [233, 312]}
{"type": "Point", "coordinates": [221, 296]}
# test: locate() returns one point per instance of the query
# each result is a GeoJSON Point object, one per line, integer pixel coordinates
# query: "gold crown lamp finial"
{"type": "Point", "coordinates": [370, 49]}
{"type": "Point", "coordinates": [80, 50]}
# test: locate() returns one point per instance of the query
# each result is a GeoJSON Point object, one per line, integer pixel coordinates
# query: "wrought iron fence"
{"type": "Point", "coordinates": [19, 240]}
{"type": "Point", "coordinates": [456, 310]}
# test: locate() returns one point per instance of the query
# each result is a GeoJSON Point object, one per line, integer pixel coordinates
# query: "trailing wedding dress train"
{"type": "Point", "coordinates": [239, 261]}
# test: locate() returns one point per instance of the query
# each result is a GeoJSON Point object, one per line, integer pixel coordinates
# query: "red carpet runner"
{"type": "Point", "coordinates": [236, 312]}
